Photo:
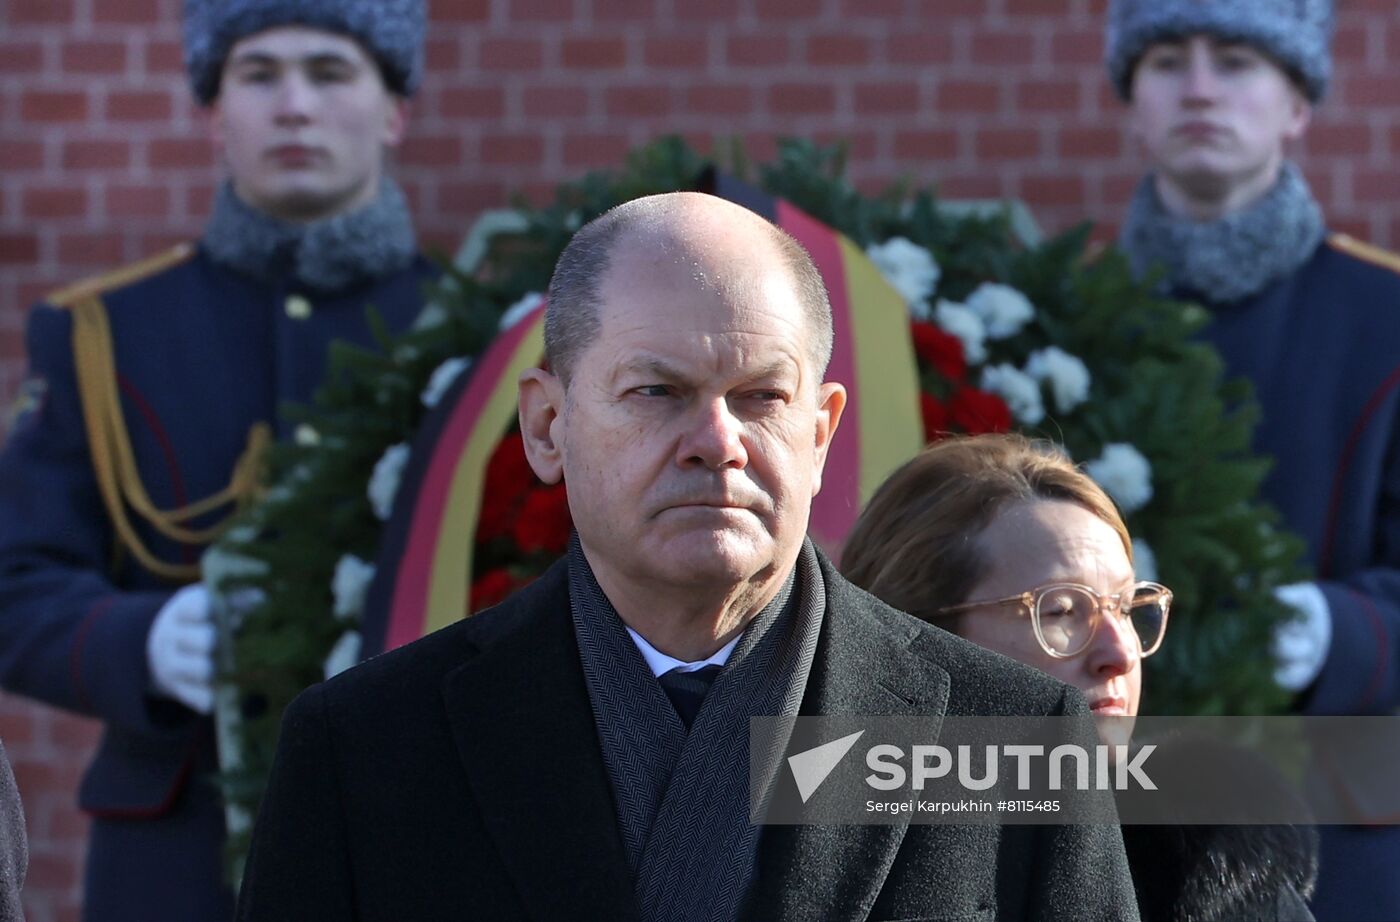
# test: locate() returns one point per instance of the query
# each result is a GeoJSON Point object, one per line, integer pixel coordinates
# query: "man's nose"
{"type": "Point", "coordinates": [295, 99]}
{"type": "Point", "coordinates": [713, 438]}
{"type": "Point", "coordinates": [1202, 81]}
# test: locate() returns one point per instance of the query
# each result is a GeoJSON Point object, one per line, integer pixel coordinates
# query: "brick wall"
{"type": "Point", "coordinates": [104, 158]}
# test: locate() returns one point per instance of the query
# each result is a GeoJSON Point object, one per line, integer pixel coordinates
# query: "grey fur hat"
{"type": "Point", "coordinates": [1295, 33]}
{"type": "Point", "coordinates": [391, 30]}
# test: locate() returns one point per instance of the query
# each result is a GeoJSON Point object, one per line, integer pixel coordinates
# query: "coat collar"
{"type": "Point", "coordinates": [873, 662]}
{"type": "Point", "coordinates": [520, 715]}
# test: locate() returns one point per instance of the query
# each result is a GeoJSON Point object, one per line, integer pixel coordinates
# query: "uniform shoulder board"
{"type": "Point", "coordinates": [117, 278]}
{"type": "Point", "coordinates": [1365, 252]}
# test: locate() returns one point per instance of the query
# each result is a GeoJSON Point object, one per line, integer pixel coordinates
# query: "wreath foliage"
{"type": "Point", "coordinates": [1152, 385]}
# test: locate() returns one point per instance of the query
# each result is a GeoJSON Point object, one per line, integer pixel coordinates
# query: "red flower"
{"type": "Point", "coordinates": [977, 411]}
{"type": "Point", "coordinates": [544, 522]}
{"type": "Point", "coordinates": [935, 417]}
{"type": "Point", "coordinates": [491, 588]}
{"type": "Point", "coordinates": [941, 350]}
{"type": "Point", "coordinates": [508, 479]}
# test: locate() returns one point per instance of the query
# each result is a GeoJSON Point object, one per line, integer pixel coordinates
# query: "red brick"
{"type": "Point", "coordinates": [594, 53]}
{"type": "Point", "coordinates": [750, 50]}
{"type": "Point", "coordinates": [145, 201]}
{"type": "Point", "coordinates": [1053, 190]}
{"type": "Point", "coordinates": [801, 99]}
{"type": "Point", "coordinates": [139, 106]}
{"type": "Point", "coordinates": [21, 57]}
{"type": "Point", "coordinates": [968, 96]}
{"type": "Point", "coordinates": [199, 200]}
{"type": "Point", "coordinates": [42, 203]}
{"type": "Point", "coordinates": [91, 249]}
{"type": "Point", "coordinates": [135, 12]}
{"type": "Point", "coordinates": [1377, 185]}
{"type": "Point", "coordinates": [1047, 96]}
{"type": "Point", "coordinates": [1083, 47]}
{"type": "Point", "coordinates": [637, 101]}
{"type": "Point", "coordinates": [94, 57]}
{"type": "Point", "coordinates": [1339, 140]}
{"type": "Point", "coordinates": [886, 99]}
{"type": "Point", "coordinates": [615, 10]}
{"type": "Point", "coordinates": [162, 57]}
{"type": "Point", "coordinates": [786, 10]}
{"type": "Point", "coordinates": [1367, 90]}
{"type": "Point", "coordinates": [1054, 9]}
{"type": "Point", "coordinates": [96, 155]}
{"type": "Point", "coordinates": [870, 9]}
{"type": "Point", "coordinates": [21, 155]}
{"type": "Point", "coordinates": [920, 49]}
{"type": "Point", "coordinates": [718, 11]}
{"type": "Point", "coordinates": [540, 10]}
{"type": "Point", "coordinates": [594, 150]}
{"type": "Point", "coordinates": [443, 55]}
{"type": "Point", "coordinates": [555, 101]}
{"type": "Point", "coordinates": [1006, 144]}
{"type": "Point", "coordinates": [469, 198]}
{"type": "Point", "coordinates": [949, 9]}
{"type": "Point", "coordinates": [431, 151]}
{"type": "Point", "coordinates": [525, 150]}
{"type": "Point", "coordinates": [934, 144]}
{"type": "Point", "coordinates": [180, 153]}
{"type": "Point", "coordinates": [511, 54]}
{"type": "Point", "coordinates": [838, 51]}
{"type": "Point", "coordinates": [39, 12]}
{"type": "Point", "coordinates": [472, 102]}
{"type": "Point", "coordinates": [719, 99]}
{"type": "Point", "coordinates": [53, 106]}
{"type": "Point", "coordinates": [1089, 143]}
{"type": "Point", "coordinates": [459, 11]}
{"type": "Point", "coordinates": [975, 186]}
{"type": "Point", "coordinates": [1349, 45]}
{"type": "Point", "coordinates": [1002, 49]}
{"type": "Point", "coordinates": [667, 52]}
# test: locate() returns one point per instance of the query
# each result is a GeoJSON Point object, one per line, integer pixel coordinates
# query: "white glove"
{"type": "Point", "coordinates": [180, 649]}
{"type": "Point", "coordinates": [1301, 644]}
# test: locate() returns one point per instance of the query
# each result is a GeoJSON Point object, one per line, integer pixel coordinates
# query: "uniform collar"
{"type": "Point", "coordinates": [359, 246]}
{"type": "Point", "coordinates": [1233, 257]}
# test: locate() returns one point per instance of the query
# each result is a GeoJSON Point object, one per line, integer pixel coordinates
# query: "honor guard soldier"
{"type": "Point", "coordinates": [1216, 92]}
{"type": "Point", "coordinates": [152, 392]}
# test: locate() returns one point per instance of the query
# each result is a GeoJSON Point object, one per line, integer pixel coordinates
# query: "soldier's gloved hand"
{"type": "Point", "coordinates": [1301, 644]}
{"type": "Point", "coordinates": [180, 649]}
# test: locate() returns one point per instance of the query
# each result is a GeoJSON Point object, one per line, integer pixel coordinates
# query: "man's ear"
{"type": "Point", "coordinates": [395, 121]}
{"type": "Point", "coordinates": [541, 406]}
{"type": "Point", "coordinates": [831, 403]}
{"type": "Point", "coordinates": [1300, 116]}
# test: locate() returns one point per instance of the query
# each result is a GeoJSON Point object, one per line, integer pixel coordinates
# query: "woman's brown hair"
{"type": "Point", "coordinates": [916, 545]}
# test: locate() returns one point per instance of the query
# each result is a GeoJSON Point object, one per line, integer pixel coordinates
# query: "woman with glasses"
{"type": "Point", "coordinates": [1003, 541]}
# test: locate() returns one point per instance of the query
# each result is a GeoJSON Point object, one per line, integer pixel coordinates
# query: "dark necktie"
{"type": "Point", "coordinates": [687, 690]}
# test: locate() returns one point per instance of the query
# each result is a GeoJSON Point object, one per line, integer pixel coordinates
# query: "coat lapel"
{"type": "Point", "coordinates": [868, 663]}
{"type": "Point", "coordinates": [524, 729]}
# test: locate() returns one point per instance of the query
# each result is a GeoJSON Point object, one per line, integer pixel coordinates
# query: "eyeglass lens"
{"type": "Point", "coordinates": [1066, 616]}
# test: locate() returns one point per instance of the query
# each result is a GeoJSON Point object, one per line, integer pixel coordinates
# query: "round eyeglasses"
{"type": "Point", "coordinates": [1065, 616]}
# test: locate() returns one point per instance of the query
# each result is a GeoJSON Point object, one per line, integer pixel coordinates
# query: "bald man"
{"type": "Point", "coordinates": [581, 750]}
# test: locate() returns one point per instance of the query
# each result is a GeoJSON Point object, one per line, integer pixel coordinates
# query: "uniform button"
{"type": "Point", "coordinates": [298, 307]}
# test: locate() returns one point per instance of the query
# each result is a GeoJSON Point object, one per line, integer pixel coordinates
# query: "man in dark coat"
{"type": "Point", "coordinates": [150, 396]}
{"type": "Point", "coordinates": [1216, 93]}
{"type": "Point", "coordinates": [581, 750]}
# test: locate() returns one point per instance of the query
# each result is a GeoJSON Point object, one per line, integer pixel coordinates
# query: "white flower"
{"type": "Point", "coordinates": [384, 482]}
{"type": "Point", "coordinates": [1144, 561]}
{"type": "Point", "coordinates": [306, 436]}
{"type": "Point", "coordinates": [1002, 308]}
{"type": "Point", "coordinates": [442, 379]}
{"type": "Point", "coordinates": [958, 320]}
{"type": "Point", "coordinates": [344, 654]}
{"type": "Point", "coordinates": [1018, 389]}
{"type": "Point", "coordinates": [910, 269]}
{"type": "Point", "coordinates": [1068, 376]}
{"type": "Point", "coordinates": [349, 586]}
{"type": "Point", "coordinates": [517, 311]}
{"type": "Point", "coordinates": [1124, 474]}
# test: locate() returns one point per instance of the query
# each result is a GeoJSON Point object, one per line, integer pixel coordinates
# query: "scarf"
{"type": "Point", "coordinates": [1233, 257]}
{"type": "Point", "coordinates": [683, 800]}
{"type": "Point", "coordinates": [359, 246]}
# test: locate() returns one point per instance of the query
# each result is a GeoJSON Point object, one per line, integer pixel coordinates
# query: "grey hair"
{"type": "Point", "coordinates": [571, 320]}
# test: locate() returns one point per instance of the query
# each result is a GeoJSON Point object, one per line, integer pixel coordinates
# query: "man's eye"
{"type": "Point", "coordinates": [332, 74]}
{"type": "Point", "coordinates": [261, 75]}
{"type": "Point", "coordinates": [653, 390]}
{"type": "Point", "coordinates": [767, 396]}
{"type": "Point", "coordinates": [1166, 61]}
{"type": "Point", "coordinates": [1236, 63]}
